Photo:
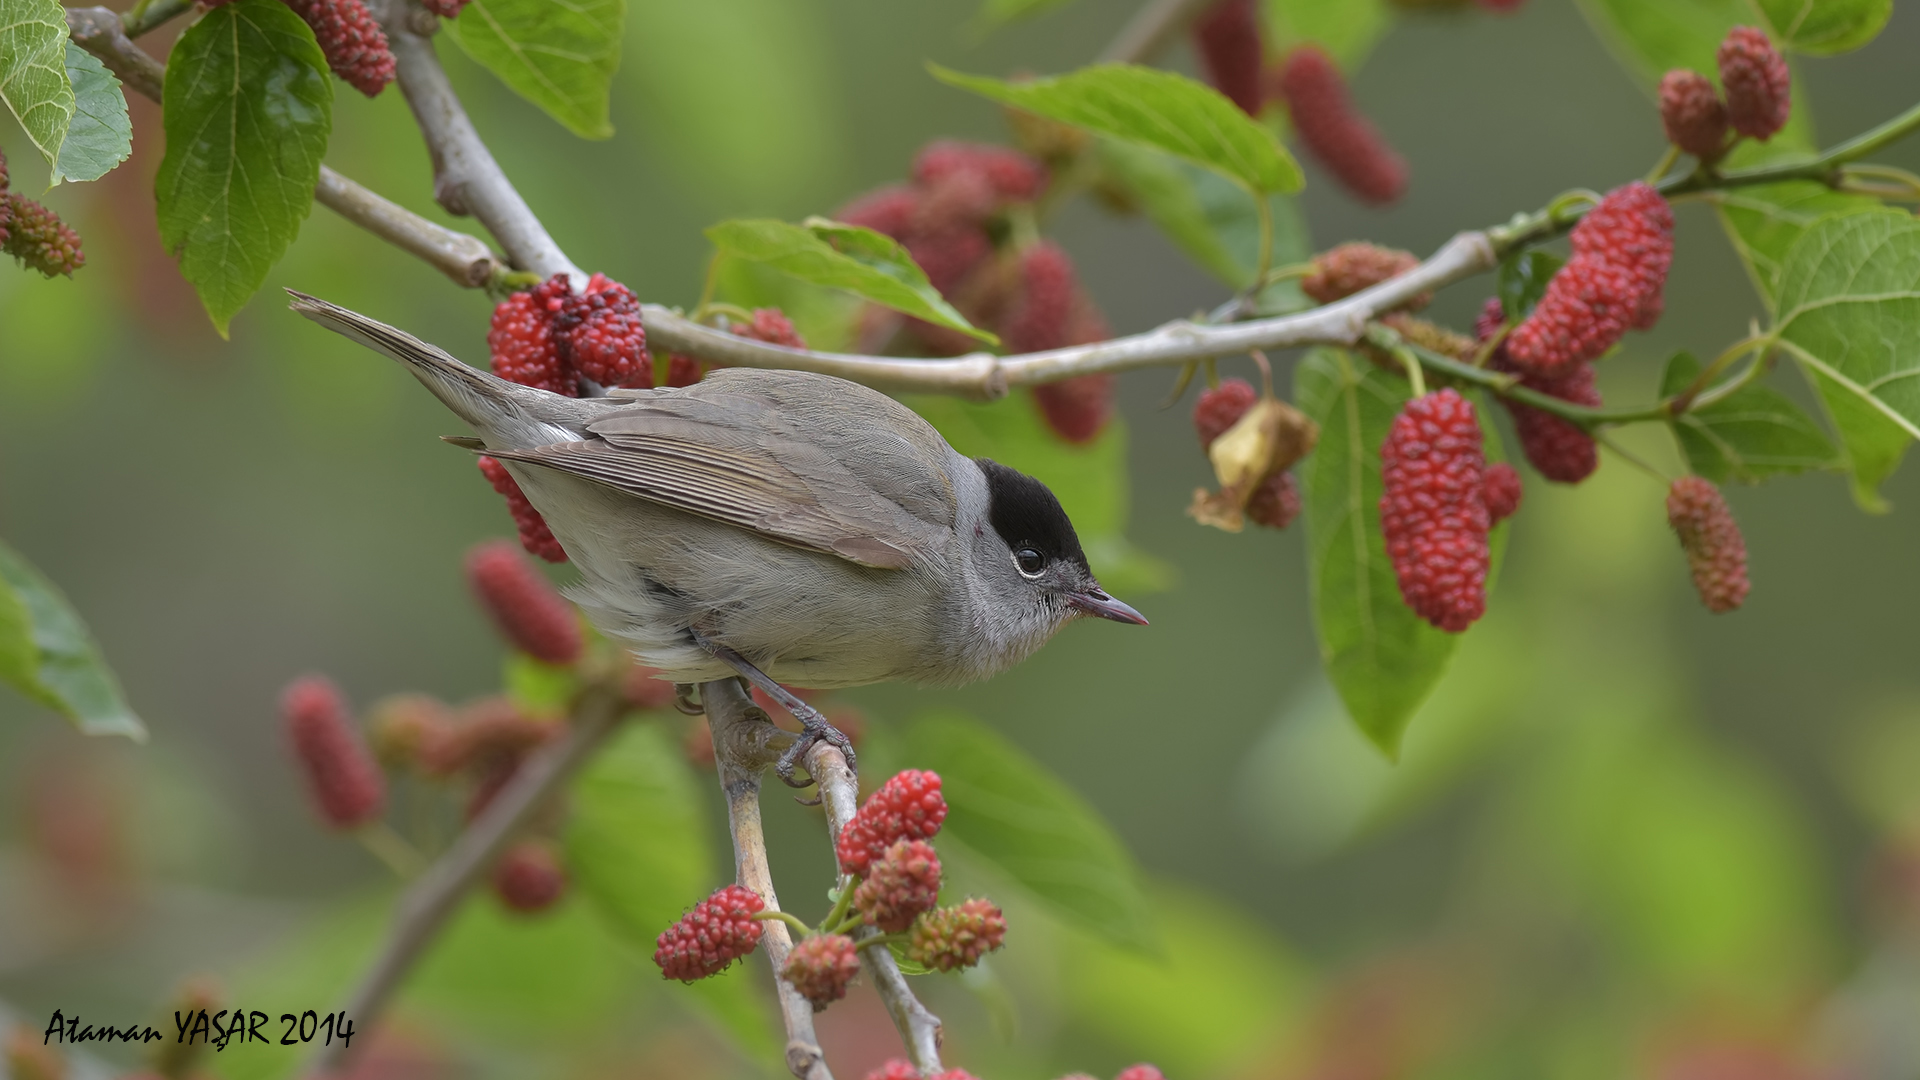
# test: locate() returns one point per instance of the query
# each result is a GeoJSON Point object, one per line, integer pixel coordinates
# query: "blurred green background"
{"type": "Point", "coordinates": [1625, 837]}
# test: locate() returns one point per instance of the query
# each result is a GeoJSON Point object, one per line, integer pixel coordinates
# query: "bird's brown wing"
{"type": "Point", "coordinates": [736, 458]}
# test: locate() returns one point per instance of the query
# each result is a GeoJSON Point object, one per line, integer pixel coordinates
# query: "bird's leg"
{"type": "Point", "coordinates": [683, 700]}
{"type": "Point", "coordinates": [814, 727]}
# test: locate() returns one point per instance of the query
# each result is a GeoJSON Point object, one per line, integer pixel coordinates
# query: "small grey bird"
{"type": "Point", "coordinates": [784, 526]}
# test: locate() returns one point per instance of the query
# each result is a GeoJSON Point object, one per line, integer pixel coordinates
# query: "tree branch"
{"type": "Point", "coordinates": [919, 1028]}
{"type": "Point", "coordinates": [462, 257]}
{"type": "Point", "coordinates": [466, 179]}
{"type": "Point", "coordinates": [745, 743]}
{"type": "Point", "coordinates": [424, 909]}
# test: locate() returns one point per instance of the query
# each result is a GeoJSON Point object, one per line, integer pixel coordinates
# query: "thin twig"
{"type": "Point", "coordinates": [745, 743]}
{"type": "Point", "coordinates": [424, 909]}
{"type": "Point", "coordinates": [466, 178]}
{"type": "Point", "coordinates": [462, 257]}
{"type": "Point", "coordinates": [1149, 30]}
{"type": "Point", "coordinates": [919, 1028]}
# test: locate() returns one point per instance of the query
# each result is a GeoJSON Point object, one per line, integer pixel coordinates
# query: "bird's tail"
{"type": "Point", "coordinates": [495, 407]}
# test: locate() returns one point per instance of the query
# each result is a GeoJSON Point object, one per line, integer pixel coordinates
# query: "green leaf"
{"type": "Point", "coordinates": [1149, 107]}
{"type": "Point", "coordinates": [561, 57]}
{"type": "Point", "coordinates": [101, 135]}
{"type": "Point", "coordinates": [1763, 221]}
{"type": "Point", "coordinates": [638, 846]}
{"type": "Point", "coordinates": [1015, 814]}
{"type": "Point", "coordinates": [33, 71]}
{"type": "Point", "coordinates": [47, 654]}
{"type": "Point", "coordinates": [538, 688]}
{"type": "Point", "coordinates": [1523, 280]}
{"type": "Point", "coordinates": [1747, 436]}
{"type": "Point", "coordinates": [1652, 37]}
{"type": "Point", "coordinates": [1382, 658]}
{"type": "Point", "coordinates": [1849, 312]}
{"type": "Point", "coordinates": [248, 106]}
{"type": "Point", "coordinates": [849, 257]}
{"type": "Point", "coordinates": [1212, 219]}
{"type": "Point", "coordinates": [1825, 27]}
{"type": "Point", "coordinates": [1346, 29]}
{"type": "Point", "coordinates": [1090, 480]}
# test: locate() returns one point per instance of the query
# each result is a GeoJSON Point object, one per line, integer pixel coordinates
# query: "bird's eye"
{"type": "Point", "coordinates": [1029, 562]}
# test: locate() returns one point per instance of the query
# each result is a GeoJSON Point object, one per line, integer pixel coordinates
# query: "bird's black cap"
{"type": "Point", "coordinates": [1024, 512]}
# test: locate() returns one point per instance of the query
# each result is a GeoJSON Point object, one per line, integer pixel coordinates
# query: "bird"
{"type": "Point", "coordinates": [780, 526]}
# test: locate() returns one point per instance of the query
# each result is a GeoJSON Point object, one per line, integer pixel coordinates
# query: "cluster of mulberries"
{"type": "Point", "coordinates": [901, 1069]}
{"type": "Point", "coordinates": [952, 221]}
{"type": "Point", "coordinates": [349, 35]}
{"type": "Point", "coordinates": [895, 882]}
{"type": "Point", "coordinates": [1558, 449]}
{"type": "Point", "coordinates": [35, 235]}
{"type": "Point", "coordinates": [1333, 130]}
{"type": "Point", "coordinates": [1758, 97]}
{"type": "Point", "coordinates": [770, 325]}
{"type": "Point", "coordinates": [1276, 501]}
{"type": "Point", "coordinates": [472, 752]}
{"type": "Point", "coordinates": [1226, 37]}
{"type": "Point", "coordinates": [549, 338]}
{"type": "Point", "coordinates": [1716, 552]}
{"type": "Point", "coordinates": [1615, 281]}
{"type": "Point", "coordinates": [1433, 509]}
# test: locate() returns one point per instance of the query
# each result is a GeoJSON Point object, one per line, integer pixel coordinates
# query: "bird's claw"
{"type": "Point", "coordinates": [814, 731]}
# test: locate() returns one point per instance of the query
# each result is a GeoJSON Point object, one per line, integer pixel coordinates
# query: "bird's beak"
{"type": "Point", "coordinates": [1095, 601]}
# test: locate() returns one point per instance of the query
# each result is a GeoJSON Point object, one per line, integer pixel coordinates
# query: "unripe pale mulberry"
{"type": "Point", "coordinates": [899, 885]}
{"type": "Point", "coordinates": [1716, 552]}
{"type": "Point", "coordinates": [1340, 272]}
{"type": "Point", "coordinates": [820, 967]}
{"type": "Point", "coordinates": [949, 938]}
{"type": "Point", "coordinates": [37, 237]}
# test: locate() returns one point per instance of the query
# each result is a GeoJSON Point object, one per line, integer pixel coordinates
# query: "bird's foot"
{"type": "Point", "coordinates": [814, 730]}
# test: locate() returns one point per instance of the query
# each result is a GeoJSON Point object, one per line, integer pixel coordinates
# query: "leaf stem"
{"type": "Point", "coordinates": [1665, 163]}
{"type": "Point", "coordinates": [1265, 261]}
{"type": "Point", "coordinates": [836, 921]}
{"type": "Point", "coordinates": [149, 14]}
{"type": "Point", "coordinates": [881, 939]}
{"type": "Point", "coordinates": [787, 917]}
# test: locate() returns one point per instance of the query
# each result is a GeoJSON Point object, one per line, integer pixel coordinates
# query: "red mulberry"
{"type": "Point", "coordinates": [347, 786]}
{"type": "Point", "coordinates": [1043, 306]}
{"type": "Point", "coordinates": [895, 1069]}
{"type": "Point", "coordinates": [899, 885]}
{"type": "Point", "coordinates": [1077, 409]}
{"type": "Point", "coordinates": [37, 237]}
{"type": "Point", "coordinates": [718, 931]}
{"type": "Point", "coordinates": [772, 326]}
{"type": "Point", "coordinates": [599, 332]}
{"type": "Point", "coordinates": [682, 370]}
{"type": "Point", "coordinates": [1693, 114]}
{"type": "Point", "coordinates": [1500, 488]}
{"type": "Point", "coordinates": [1227, 37]}
{"type": "Point", "coordinates": [1142, 1071]}
{"type": "Point", "coordinates": [907, 807]}
{"type": "Point", "coordinates": [1716, 552]}
{"type": "Point", "coordinates": [1559, 449]}
{"type": "Point", "coordinates": [1758, 84]}
{"type": "Point", "coordinates": [1014, 176]}
{"type": "Point", "coordinates": [521, 340]}
{"type": "Point", "coordinates": [890, 210]}
{"type": "Point", "coordinates": [529, 877]}
{"type": "Point", "coordinates": [1221, 407]}
{"type": "Point", "coordinates": [524, 606]}
{"type": "Point", "coordinates": [1432, 511]}
{"type": "Point", "coordinates": [534, 534]}
{"type": "Point", "coordinates": [1621, 252]}
{"type": "Point", "coordinates": [956, 937]}
{"type": "Point", "coordinates": [820, 967]}
{"type": "Point", "coordinates": [1340, 272]}
{"type": "Point", "coordinates": [947, 257]}
{"type": "Point", "coordinates": [355, 46]}
{"type": "Point", "coordinates": [1341, 138]}
{"type": "Point", "coordinates": [1275, 503]}
{"type": "Point", "coordinates": [406, 730]}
